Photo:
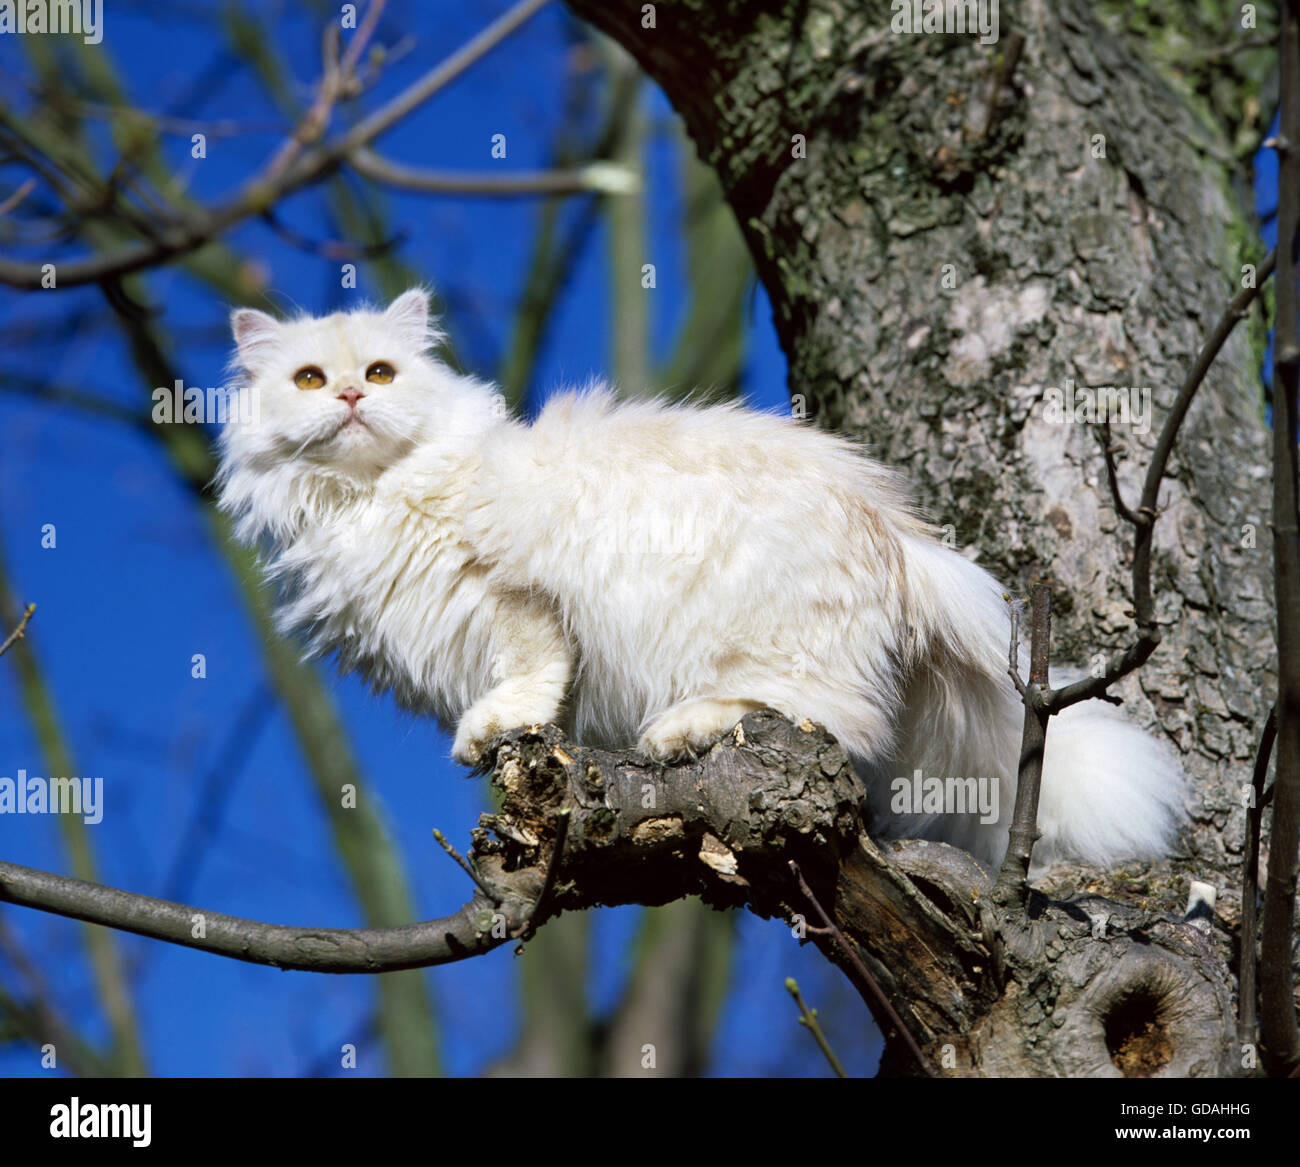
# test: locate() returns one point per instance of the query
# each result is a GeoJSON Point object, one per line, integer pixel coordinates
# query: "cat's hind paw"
{"type": "Point", "coordinates": [688, 729]}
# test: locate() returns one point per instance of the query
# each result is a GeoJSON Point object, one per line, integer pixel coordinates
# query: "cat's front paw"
{"type": "Point", "coordinates": [478, 727]}
{"type": "Point", "coordinates": [489, 718]}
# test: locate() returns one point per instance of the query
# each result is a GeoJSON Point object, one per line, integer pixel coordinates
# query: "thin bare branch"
{"type": "Point", "coordinates": [1105, 436]}
{"type": "Point", "coordinates": [1247, 1007]}
{"type": "Point", "coordinates": [595, 178]}
{"type": "Point", "coordinates": [1013, 653]}
{"type": "Point", "coordinates": [1279, 1032]}
{"type": "Point", "coordinates": [1144, 518]}
{"type": "Point", "coordinates": [17, 633]}
{"type": "Point", "coordinates": [438, 78]}
{"type": "Point", "coordinates": [272, 184]}
{"type": "Point", "coordinates": [1012, 886]}
{"type": "Point", "coordinates": [808, 1019]}
{"type": "Point", "coordinates": [466, 866]}
{"type": "Point", "coordinates": [862, 971]}
{"type": "Point", "coordinates": [17, 197]}
{"type": "Point", "coordinates": [340, 249]}
{"type": "Point", "coordinates": [337, 75]}
{"type": "Point", "coordinates": [465, 933]}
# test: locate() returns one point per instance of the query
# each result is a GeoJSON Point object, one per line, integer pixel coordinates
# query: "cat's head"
{"type": "Point", "coordinates": [343, 395]}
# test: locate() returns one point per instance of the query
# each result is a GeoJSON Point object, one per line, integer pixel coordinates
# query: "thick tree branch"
{"type": "Point", "coordinates": [757, 797]}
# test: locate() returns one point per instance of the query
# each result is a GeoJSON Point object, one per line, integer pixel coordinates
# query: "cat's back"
{"type": "Point", "coordinates": [594, 467]}
{"type": "Point", "coordinates": [648, 449]}
{"type": "Point", "coordinates": [684, 438]}
{"type": "Point", "coordinates": [675, 490]}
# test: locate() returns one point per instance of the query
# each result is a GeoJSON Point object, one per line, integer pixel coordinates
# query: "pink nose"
{"type": "Point", "coordinates": [351, 396]}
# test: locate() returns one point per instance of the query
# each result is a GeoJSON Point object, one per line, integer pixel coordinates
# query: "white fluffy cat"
{"type": "Point", "coordinates": [647, 573]}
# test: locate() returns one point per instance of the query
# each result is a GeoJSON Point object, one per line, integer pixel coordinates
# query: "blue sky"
{"type": "Point", "coordinates": [133, 588]}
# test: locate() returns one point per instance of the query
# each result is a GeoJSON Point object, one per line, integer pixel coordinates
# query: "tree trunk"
{"type": "Point", "coordinates": [946, 232]}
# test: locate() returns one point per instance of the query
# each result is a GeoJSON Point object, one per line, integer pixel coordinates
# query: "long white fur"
{"type": "Point", "coordinates": [645, 572]}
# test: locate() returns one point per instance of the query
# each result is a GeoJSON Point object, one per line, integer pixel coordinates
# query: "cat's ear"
{"type": "Point", "coordinates": [255, 332]}
{"type": "Point", "coordinates": [410, 315]}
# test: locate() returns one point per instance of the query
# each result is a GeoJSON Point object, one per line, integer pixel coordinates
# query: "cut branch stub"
{"type": "Point", "coordinates": [721, 826]}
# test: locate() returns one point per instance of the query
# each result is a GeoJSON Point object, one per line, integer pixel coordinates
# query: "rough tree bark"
{"type": "Point", "coordinates": [922, 151]}
{"type": "Point", "coordinates": [981, 993]}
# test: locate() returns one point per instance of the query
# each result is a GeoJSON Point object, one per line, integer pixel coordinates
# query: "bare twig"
{"type": "Point", "coordinates": [868, 980]}
{"type": "Point", "coordinates": [438, 78]}
{"type": "Point", "coordinates": [1013, 654]}
{"type": "Point", "coordinates": [808, 1019]}
{"type": "Point", "coordinates": [1112, 474]}
{"type": "Point", "coordinates": [467, 867]}
{"type": "Point", "coordinates": [343, 249]}
{"type": "Point", "coordinates": [1279, 1032]}
{"type": "Point", "coordinates": [17, 197]}
{"type": "Point", "coordinates": [595, 178]}
{"type": "Point", "coordinates": [1144, 518]}
{"type": "Point", "coordinates": [1247, 1009]}
{"type": "Point", "coordinates": [337, 76]}
{"type": "Point", "coordinates": [17, 633]}
{"type": "Point", "coordinates": [1013, 876]}
{"type": "Point", "coordinates": [272, 184]}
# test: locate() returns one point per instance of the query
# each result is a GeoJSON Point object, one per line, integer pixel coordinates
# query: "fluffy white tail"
{"type": "Point", "coordinates": [1110, 791]}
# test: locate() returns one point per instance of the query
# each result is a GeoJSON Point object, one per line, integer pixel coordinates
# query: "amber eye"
{"type": "Point", "coordinates": [380, 373]}
{"type": "Point", "coordinates": [309, 378]}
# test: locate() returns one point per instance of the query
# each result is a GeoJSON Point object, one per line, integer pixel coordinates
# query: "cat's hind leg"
{"type": "Point", "coordinates": [690, 727]}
